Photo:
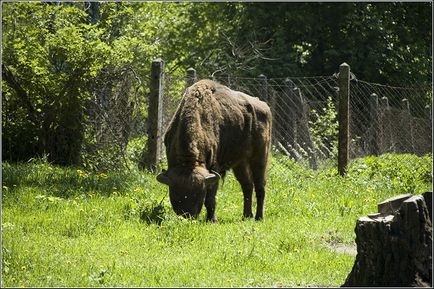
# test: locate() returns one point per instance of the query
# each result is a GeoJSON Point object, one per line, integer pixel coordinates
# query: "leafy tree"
{"type": "Point", "coordinates": [56, 57]}
{"type": "Point", "coordinates": [383, 42]}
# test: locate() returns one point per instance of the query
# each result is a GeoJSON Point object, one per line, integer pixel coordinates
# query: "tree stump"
{"type": "Point", "coordinates": [394, 246]}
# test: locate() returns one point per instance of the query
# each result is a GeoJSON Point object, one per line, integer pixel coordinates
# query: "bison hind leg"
{"type": "Point", "coordinates": [258, 174]}
{"type": "Point", "coordinates": [244, 176]}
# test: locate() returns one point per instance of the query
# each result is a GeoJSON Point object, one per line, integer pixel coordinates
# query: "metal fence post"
{"type": "Point", "coordinates": [427, 112]}
{"type": "Point", "coordinates": [343, 115]}
{"type": "Point", "coordinates": [191, 76]}
{"type": "Point", "coordinates": [153, 152]}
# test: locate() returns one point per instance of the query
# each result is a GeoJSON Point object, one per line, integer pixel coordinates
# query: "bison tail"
{"type": "Point", "coordinates": [223, 175]}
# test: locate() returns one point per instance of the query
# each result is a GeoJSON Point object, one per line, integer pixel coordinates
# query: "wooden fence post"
{"type": "Point", "coordinates": [387, 136]}
{"type": "Point", "coordinates": [153, 152]}
{"type": "Point", "coordinates": [266, 96]}
{"type": "Point", "coordinates": [290, 127]}
{"type": "Point", "coordinates": [264, 88]}
{"type": "Point", "coordinates": [304, 139]}
{"type": "Point", "coordinates": [406, 138]}
{"type": "Point", "coordinates": [375, 124]}
{"type": "Point", "coordinates": [343, 115]}
{"type": "Point", "coordinates": [191, 76]}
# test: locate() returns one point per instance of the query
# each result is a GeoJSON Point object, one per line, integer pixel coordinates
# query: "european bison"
{"type": "Point", "coordinates": [213, 130]}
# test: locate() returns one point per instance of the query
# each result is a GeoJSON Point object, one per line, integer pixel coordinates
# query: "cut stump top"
{"type": "Point", "coordinates": [392, 205]}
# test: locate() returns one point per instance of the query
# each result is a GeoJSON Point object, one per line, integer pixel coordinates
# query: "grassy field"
{"type": "Point", "coordinates": [65, 227]}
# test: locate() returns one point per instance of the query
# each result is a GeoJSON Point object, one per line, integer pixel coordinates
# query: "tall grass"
{"type": "Point", "coordinates": [67, 227]}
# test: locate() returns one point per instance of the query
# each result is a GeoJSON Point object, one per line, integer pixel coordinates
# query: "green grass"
{"type": "Point", "coordinates": [63, 227]}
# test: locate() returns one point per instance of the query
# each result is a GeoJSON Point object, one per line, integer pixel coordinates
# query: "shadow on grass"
{"type": "Point", "coordinates": [150, 212]}
{"type": "Point", "coordinates": [66, 182]}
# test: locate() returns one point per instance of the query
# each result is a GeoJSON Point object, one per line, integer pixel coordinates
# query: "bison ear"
{"type": "Point", "coordinates": [163, 178]}
{"type": "Point", "coordinates": [212, 178]}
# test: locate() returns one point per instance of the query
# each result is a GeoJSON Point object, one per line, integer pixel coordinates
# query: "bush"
{"type": "Point", "coordinates": [324, 130]}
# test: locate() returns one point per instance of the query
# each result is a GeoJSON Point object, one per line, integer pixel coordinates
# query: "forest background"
{"type": "Point", "coordinates": [58, 55]}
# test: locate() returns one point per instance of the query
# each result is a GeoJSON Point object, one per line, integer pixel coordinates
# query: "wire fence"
{"type": "Point", "coordinates": [387, 119]}
{"type": "Point", "coordinates": [383, 119]}
{"type": "Point", "coordinates": [297, 104]}
{"type": "Point", "coordinates": [115, 123]}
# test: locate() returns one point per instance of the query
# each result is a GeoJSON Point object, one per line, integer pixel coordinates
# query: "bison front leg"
{"type": "Point", "coordinates": [243, 175]}
{"type": "Point", "coordinates": [260, 196]}
{"type": "Point", "coordinates": [210, 203]}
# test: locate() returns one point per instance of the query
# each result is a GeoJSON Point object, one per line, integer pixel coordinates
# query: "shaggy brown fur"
{"type": "Point", "coordinates": [215, 129]}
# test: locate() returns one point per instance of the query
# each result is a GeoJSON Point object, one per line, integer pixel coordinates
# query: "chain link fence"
{"type": "Point", "coordinates": [173, 90]}
{"type": "Point", "coordinates": [115, 123]}
{"type": "Point", "coordinates": [297, 104]}
{"type": "Point", "coordinates": [388, 119]}
{"type": "Point", "coordinates": [383, 119]}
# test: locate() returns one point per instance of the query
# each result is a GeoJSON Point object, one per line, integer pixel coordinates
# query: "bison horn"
{"type": "Point", "coordinates": [212, 178]}
{"type": "Point", "coordinates": [163, 178]}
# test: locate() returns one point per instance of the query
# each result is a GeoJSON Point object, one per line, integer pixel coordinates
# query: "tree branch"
{"type": "Point", "coordinates": [12, 81]}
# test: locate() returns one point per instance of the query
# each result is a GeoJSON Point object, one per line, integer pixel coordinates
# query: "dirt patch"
{"type": "Point", "coordinates": [279, 285]}
{"type": "Point", "coordinates": [341, 248]}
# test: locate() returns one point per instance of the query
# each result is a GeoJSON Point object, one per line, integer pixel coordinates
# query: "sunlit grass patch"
{"type": "Point", "coordinates": [64, 227]}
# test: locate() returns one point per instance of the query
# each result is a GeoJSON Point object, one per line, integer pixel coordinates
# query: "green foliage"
{"type": "Point", "coordinates": [395, 169]}
{"type": "Point", "coordinates": [381, 41]}
{"type": "Point", "coordinates": [64, 56]}
{"type": "Point", "coordinates": [52, 59]}
{"type": "Point", "coordinates": [324, 129]}
{"type": "Point", "coordinates": [136, 149]}
{"type": "Point", "coordinates": [59, 63]}
{"type": "Point", "coordinates": [68, 227]}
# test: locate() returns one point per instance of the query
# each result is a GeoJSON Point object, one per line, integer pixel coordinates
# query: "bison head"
{"type": "Point", "coordinates": [187, 188]}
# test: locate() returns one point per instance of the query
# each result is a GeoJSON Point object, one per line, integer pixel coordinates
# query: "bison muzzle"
{"type": "Point", "coordinates": [215, 129]}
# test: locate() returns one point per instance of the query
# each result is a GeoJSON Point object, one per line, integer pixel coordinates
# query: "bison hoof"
{"type": "Point", "coordinates": [212, 220]}
{"type": "Point", "coordinates": [248, 217]}
{"type": "Point", "coordinates": [259, 218]}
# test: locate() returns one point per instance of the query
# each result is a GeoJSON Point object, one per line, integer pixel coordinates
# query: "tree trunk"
{"type": "Point", "coordinates": [394, 247]}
